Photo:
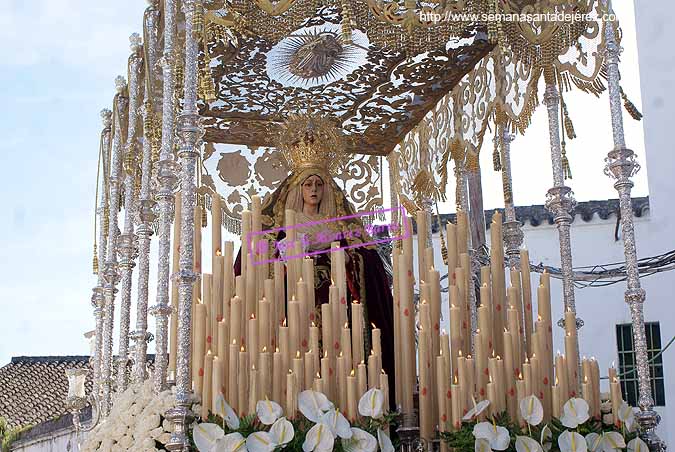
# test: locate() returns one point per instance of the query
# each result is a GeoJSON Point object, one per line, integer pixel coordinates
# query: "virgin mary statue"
{"type": "Point", "coordinates": [313, 149]}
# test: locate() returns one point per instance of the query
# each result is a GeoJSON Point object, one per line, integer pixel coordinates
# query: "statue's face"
{"type": "Point", "coordinates": [312, 190]}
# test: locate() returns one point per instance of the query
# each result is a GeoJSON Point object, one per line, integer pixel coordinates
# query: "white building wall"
{"type": "Point", "coordinates": [59, 441]}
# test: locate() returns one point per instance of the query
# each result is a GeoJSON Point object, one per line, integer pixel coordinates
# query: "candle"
{"type": "Point", "coordinates": [456, 406]}
{"type": "Point", "coordinates": [451, 236]}
{"type": "Point", "coordinates": [514, 329]}
{"type": "Point", "coordinates": [309, 370]}
{"type": "Point", "coordinates": [481, 366]}
{"type": "Point", "coordinates": [342, 382]}
{"type": "Point", "coordinates": [308, 277]}
{"type": "Point", "coordinates": [493, 381]}
{"type": "Point", "coordinates": [471, 379]}
{"type": "Point", "coordinates": [492, 397]}
{"type": "Point", "coordinates": [294, 326]}
{"type": "Point", "coordinates": [357, 332]}
{"type": "Point", "coordinates": [301, 292]}
{"type": "Point", "coordinates": [265, 326]}
{"type": "Point", "coordinates": [521, 393]}
{"type": "Point", "coordinates": [222, 350]}
{"type": "Point", "coordinates": [497, 278]}
{"type": "Point", "coordinates": [291, 395]}
{"type": "Point", "coordinates": [200, 349]}
{"type": "Point", "coordinates": [425, 386]}
{"type": "Point", "coordinates": [571, 354]}
{"type": "Point", "coordinates": [352, 397]}
{"type": "Point", "coordinates": [561, 378]}
{"type": "Point", "coordinates": [527, 376]}
{"type": "Point", "coordinates": [442, 391]}
{"type": "Point", "coordinates": [615, 395]}
{"type": "Point", "coordinates": [434, 277]}
{"type": "Point", "coordinates": [217, 383]}
{"type": "Point", "coordinates": [298, 371]}
{"type": "Point", "coordinates": [253, 390]}
{"type": "Point", "coordinates": [279, 292]}
{"type": "Point", "coordinates": [512, 371]}
{"type": "Point", "coordinates": [326, 376]}
{"type": "Point", "coordinates": [207, 280]}
{"type": "Point", "coordinates": [208, 385]}
{"type": "Point", "coordinates": [555, 406]}
{"type": "Point", "coordinates": [277, 376]}
{"type": "Point", "coordinates": [384, 387]}
{"type": "Point", "coordinates": [252, 339]}
{"type": "Point", "coordinates": [463, 382]}
{"type": "Point", "coordinates": [228, 275]}
{"type": "Point", "coordinates": [362, 380]}
{"type": "Point", "coordinates": [397, 322]}
{"type": "Point", "coordinates": [217, 294]}
{"type": "Point", "coordinates": [314, 345]}
{"type": "Point", "coordinates": [345, 342]}
{"type": "Point", "coordinates": [462, 233]}
{"type": "Point", "coordinates": [264, 377]}
{"type": "Point", "coordinates": [235, 318]}
{"type": "Point", "coordinates": [232, 376]}
{"type": "Point", "coordinates": [455, 327]}
{"type": "Point", "coordinates": [242, 382]}
{"type": "Point", "coordinates": [595, 387]}
{"type": "Point", "coordinates": [407, 338]}
{"type": "Point", "coordinates": [327, 330]}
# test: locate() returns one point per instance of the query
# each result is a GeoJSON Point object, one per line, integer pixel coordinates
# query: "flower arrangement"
{"type": "Point", "coordinates": [574, 431]}
{"type": "Point", "coordinates": [320, 427]}
{"type": "Point", "coordinates": [136, 422]}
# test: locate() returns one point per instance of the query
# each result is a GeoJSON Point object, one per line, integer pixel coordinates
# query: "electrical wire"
{"type": "Point", "coordinates": [632, 371]}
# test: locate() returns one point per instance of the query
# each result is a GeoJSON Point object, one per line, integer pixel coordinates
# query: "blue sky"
{"type": "Point", "coordinates": [57, 68]}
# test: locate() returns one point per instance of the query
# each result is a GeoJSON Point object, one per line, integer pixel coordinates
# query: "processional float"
{"type": "Point", "coordinates": [417, 83]}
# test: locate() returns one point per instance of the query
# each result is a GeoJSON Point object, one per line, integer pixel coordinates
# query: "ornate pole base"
{"type": "Point", "coordinates": [649, 420]}
{"type": "Point", "coordinates": [180, 417]}
{"type": "Point", "coordinates": [409, 434]}
{"type": "Point", "coordinates": [513, 238]}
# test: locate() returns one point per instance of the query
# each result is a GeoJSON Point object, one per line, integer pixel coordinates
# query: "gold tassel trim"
{"type": "Point", "coordinates": [630, 107]}
{"type": "Point", "coordinates": [567, 121]}
{"type": "Point", "coordinates": [95, 261]}
{"type": "Point", "coordinates": [567, 171]}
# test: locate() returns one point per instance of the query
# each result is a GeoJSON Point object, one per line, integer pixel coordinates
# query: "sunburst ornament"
{"type": "Point", "coordinates": [316, 55]}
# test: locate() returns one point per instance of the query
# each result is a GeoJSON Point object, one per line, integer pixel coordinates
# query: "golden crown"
{"type": "Point", "coordinates": [309, 140]}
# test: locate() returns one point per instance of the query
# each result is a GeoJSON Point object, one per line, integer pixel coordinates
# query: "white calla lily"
{"type": "Point", "coordinates": [260, 442]}
{"type": "Point", "coordinates": [225, 411]}
{"type": "Point", "coordinates": [384, 441]}
{"type": "Point", "coordinates": [546, 438]}
{"type": "Point", "coordinates": [482, 445]}
{"type": "Point", "coordinates": [206, 436]}
{"type": "Point", "coordinates": [572, 442]}
{"type": "Point", "coordinates": [527, 444]}
{"type": "Point", "coordinates": [575, 412]}
{"type": "Point", "coordinates": [613, 441]}
{"type": "Point", "coordinates": [268, 412]}
{"type": "Point", "coordinates": [497, 436]}
{"type": "Point", "coordinates": [532, 410]}
{"type": "Point", "coordinates": [313, 404]}
{"type": "Point", "coordinates": [594, 442]}
{"type": "Point", "coordinates": [338, 424]}
{"type": "Point", "coordinates": [477, 409]}
{"type": "Point", "coordinates": [361, 441]}
{"type": "Point", "coordinates": [319, 439]}
{"type": "Point", "coordinates": [637, 445]}
{"type": "Point", "coordinates": [371, 403]}
{"type": "Point", "coordinates": [234, 442]}
{"type": "Point", "coordinates": [282, 431]}
{"type": "Point", "coordinates": [627, 416]}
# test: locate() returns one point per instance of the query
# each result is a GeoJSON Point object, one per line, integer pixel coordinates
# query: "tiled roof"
{"type": "Point", "coordinates": [34, 389]}
{"type": "Point", "coordinates": [536, 215]}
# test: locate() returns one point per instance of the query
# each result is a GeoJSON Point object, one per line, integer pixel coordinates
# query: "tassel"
{"type": "Point", "coordinates": [569, 127]}
{"type": "Point", "coordinates": [567, 171]}
{"type": "Point", "coordinates": [630, 107]}
{"type": "Point", "coordinates": [496, 160]}
{"type": "Point", "coordinates": [204, 214]}
{"type": "Point", "coordinates": [95, 262]}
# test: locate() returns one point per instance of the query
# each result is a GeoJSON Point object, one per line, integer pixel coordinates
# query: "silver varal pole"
{"type": "Point", "coordinates": [112, 276]}
{"type": "Point", "coordinates": [560, 198]}
{"type": "Point", "coordinates": [621, 165]}
{"type": "Point", "coordinates": [147, 215]}
{"type": "Point", "coordinates": [190, 133]}
{"type": "Point", "coordinates": [98, 296]}
{"type": "Point", "coordinates": [128, 240]}
{"type": "Point", "coordinates": [167, 176]}
{"type": "Point", "coordinates": [513, 234]}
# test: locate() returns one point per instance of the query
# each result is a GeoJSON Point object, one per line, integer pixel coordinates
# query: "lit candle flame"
{"type": "Point", "coordinates": [252, 316]}
{"type": "Point", "coordinates": [264, 349]}
{"type": "Point", "coordinates": [351, 374]}
{"type": "Point", "coordinates": [297, 354]}
{"type": "Point", "coordinates": [218, 253]}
